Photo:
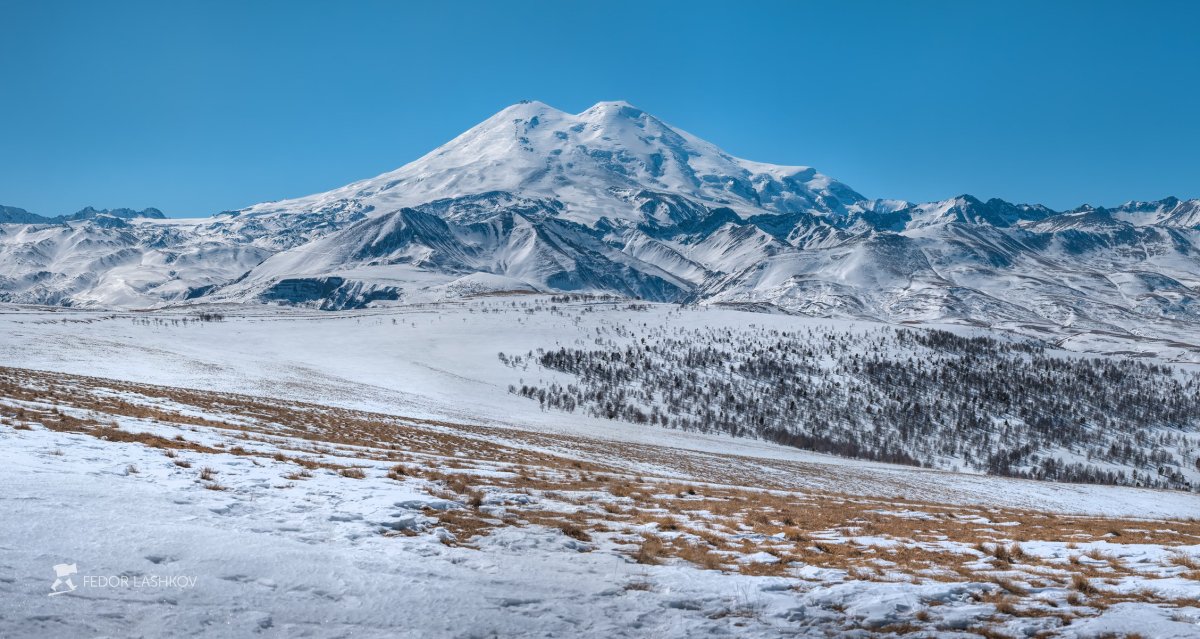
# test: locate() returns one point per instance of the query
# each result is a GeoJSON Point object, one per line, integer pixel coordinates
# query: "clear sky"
{"type": "Point", "coordinates": [196, 107]}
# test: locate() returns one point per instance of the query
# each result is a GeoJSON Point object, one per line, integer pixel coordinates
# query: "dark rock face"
{"type": "Point", "coordinates": [88, 213]}
{"type": "Point", "coordinates": [330, 293]}
{"type": "Point", "coordinates": [298, 291]}
{"type": "Point", "coordinates": [14, 215]}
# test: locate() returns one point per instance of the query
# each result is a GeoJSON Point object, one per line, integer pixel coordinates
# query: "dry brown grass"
{"type": "Point", "coordinates": [798, 526]}
{"type": "Point", "coordinates": [398, 472]}
{"type": "Point", "coordinates": [1185, 560]}
{"type": "Point", "coordinates": [700, 555]}
{"type": "Point", "coordinates": [574, 530]}
{"type": "Point", "coordinates": [989, 633]}
{"type": "Point", "coordinates": [1082, 584]}
{"type": "Point", "coordinates": [1010, 586]}
{"type": "Point", "coordinates": [620, 489]}
{"type": "Point", "coordinates": [649, 551]}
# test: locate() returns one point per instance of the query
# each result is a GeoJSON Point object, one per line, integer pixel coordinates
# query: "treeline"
{"type": "Point", "coordinates": [202, 316]}
{"type": "Point", "coordinates": [917, 397]}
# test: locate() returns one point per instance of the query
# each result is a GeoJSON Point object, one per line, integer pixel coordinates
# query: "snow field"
{"type": "Point", "coordinates": [303, 520]}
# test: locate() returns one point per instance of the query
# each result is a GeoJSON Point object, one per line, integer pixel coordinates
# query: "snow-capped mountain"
{"type": "Point", "coordinates": [14, 215]}
{"type": "Point", "coordinates": [612, 161]}
{"type": "Point", "coordinates": [615, 200]}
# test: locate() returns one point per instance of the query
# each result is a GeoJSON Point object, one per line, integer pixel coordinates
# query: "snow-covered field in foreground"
{"type": "Point", "coordinates": [503, 520]}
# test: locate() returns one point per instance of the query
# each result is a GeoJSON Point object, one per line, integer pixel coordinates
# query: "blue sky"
{"type": "Point", "coordinates": [197, 107]}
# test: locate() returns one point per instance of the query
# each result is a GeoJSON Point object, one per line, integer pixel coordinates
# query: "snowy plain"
{"type": "Point", "coordinates": [304, 557]}
{"type": "Point", "coordinates": [440, 361]}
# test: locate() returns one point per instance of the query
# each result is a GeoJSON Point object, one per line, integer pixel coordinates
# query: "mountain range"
{"type": "Point", "coordinates": [614, 200]}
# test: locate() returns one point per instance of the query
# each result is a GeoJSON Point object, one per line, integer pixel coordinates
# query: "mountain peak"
{"type": "Point", "coordinates": [90, 212]}
{"type": "Point", "coordinates": [594, 164]}
{"type": "Point", "coordinates": [612, 104]}
{"type": "Point", "coordinates": [526, 109]}
{"type": "Point", "coordinates": [614, 107]}
{"type": "Point", "coordinates": [615, 112]}
{"type": "Point", "coordinates": [16, 215]}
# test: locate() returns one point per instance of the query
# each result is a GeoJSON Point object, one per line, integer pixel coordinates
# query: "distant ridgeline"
{"type": "Point", "coordinates": [14, 215]}
{"type": "Point", "coordinates": [614, 200]}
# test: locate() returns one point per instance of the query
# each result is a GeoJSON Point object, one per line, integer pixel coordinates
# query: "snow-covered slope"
{"type": "Point", "coordinates": [381, 258]}
{"type": "Point", "coordinates": [596, 163]}
{"type": "Point", "coordinates": [292, 515]}
{"type": "Point", "coordinates": [108, 262]}
{"type": "Point", "coordinates": [1170, 211]}
{"type": "Point", "coordinates": [615, 200]}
